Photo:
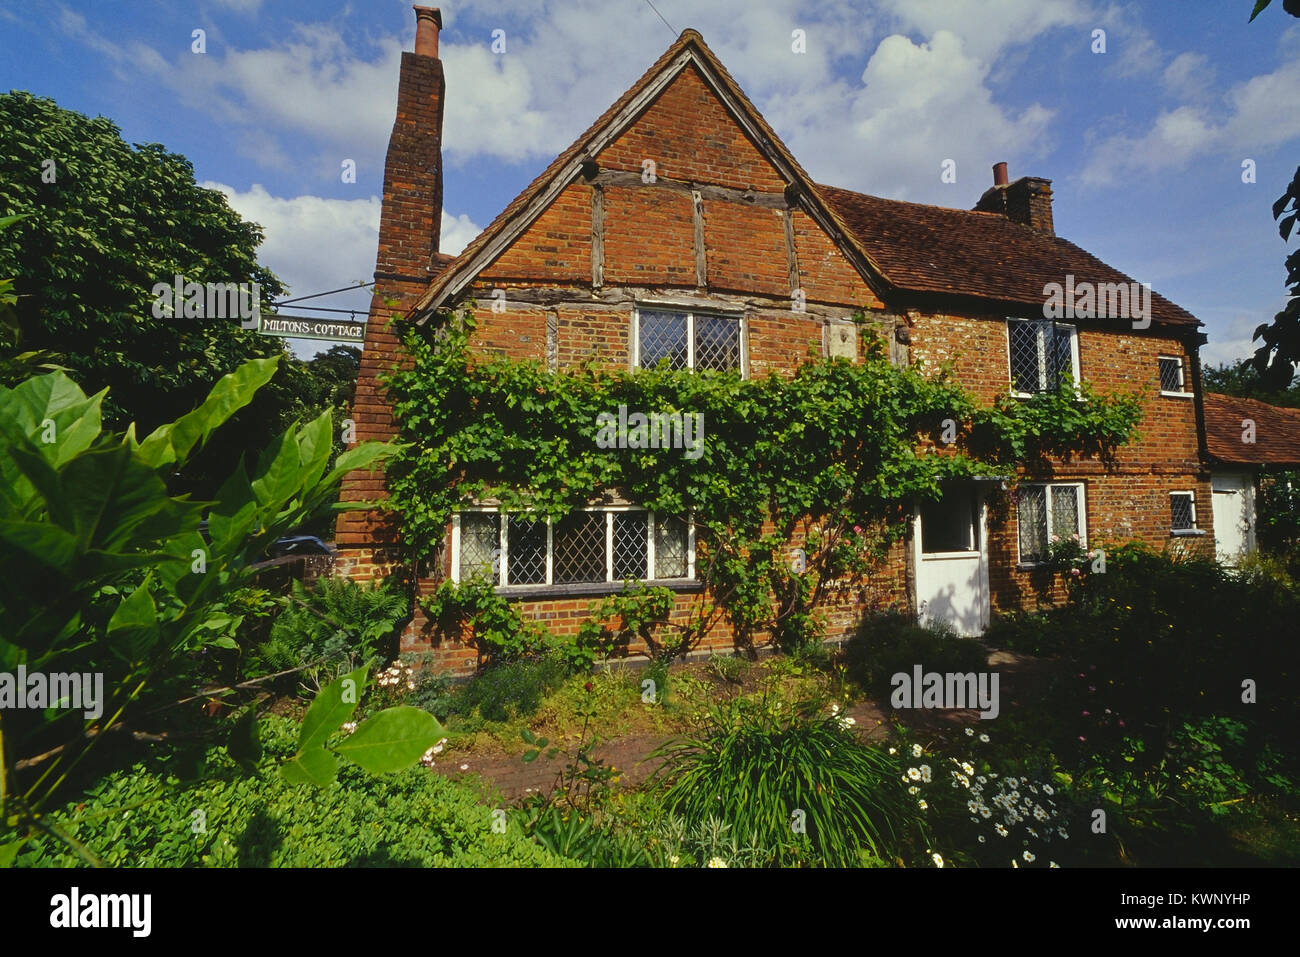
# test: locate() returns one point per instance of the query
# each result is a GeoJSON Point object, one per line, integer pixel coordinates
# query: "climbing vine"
{"type": "Point", "coordinates": [830, 459]}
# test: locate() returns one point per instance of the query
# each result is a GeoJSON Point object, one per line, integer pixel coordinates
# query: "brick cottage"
{"type": "Point", "coordinates": [701, 266]}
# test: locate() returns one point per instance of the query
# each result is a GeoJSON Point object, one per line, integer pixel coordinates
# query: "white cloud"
{"type": "Point", "coordinates": [1254, 115]}
{"type": "Point", "coordinates": [918, 105]}
{"type": "Point", "coordinates": [314, 244]}
{"type": "Point", "coordinates": [240, 6]}
{"type": "Point", "coordinates": [1188, 75]}
{"type": "Point", "coordinates": [988, 27]}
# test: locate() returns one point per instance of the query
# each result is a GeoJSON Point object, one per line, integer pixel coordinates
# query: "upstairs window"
{"type": "Point", "coordinates": [1042, 353]}
{"type": "Point", "coordinates": [1182, 513]}
{"type": "Point", "coordinates": [686, 340]}
{"type": "Point", "coordinates": [1172, 380]}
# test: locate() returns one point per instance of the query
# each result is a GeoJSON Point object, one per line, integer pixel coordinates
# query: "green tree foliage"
{"type": "Point", "coordinates": [101, 223]}
{"type": "Point", "coordinates": [1242, 379]}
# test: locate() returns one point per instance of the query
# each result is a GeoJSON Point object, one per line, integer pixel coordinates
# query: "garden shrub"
{"type": "Point", "coordinates": [888, 643]}
{"type": "Point", "coordinates": [1030, 633]}
{"type": "Point", "coordinates": [514, 689]}
{"type": "Point", "coordinates": [338, 620]}
{"type": "Point", "coordinates": [1158, 639]}
{"type": "Point", "coordinates": [145, 817]}
{"type": "Point", "coordinates": [795, 783]}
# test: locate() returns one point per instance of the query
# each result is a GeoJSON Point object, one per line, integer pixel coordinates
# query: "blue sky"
{"type": "Point", "coordinates": [1144, 142]}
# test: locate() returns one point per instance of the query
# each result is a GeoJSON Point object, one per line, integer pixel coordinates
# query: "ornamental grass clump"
{"type": "Point", "coordinates": [794, 782]}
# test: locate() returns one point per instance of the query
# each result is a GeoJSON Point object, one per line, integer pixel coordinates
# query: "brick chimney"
{"type": "Point", "coordinates": [409, 231]}
{"type": "Point", "coordinates": [1027, 201]}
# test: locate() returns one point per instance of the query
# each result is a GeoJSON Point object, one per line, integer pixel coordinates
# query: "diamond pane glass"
{"type": "Point", "coordinates": [663, 338]}
{"type": "Point", "coordinates": [1171, 375]}
{"type": "Point", "coordinates": [629, 545]}
{"type": "Point", "coordinates": [1180, 506]}
{"type": "Point", "coordinates": [480, 539]}
{"type": "Point", "coordinates": [580, 548]}
{"type": "Point", "coordinates": [670, 547]}
{"type": "Point", "coordinates": [1060, 355]}
{"type": "Point", "coordinates": [717, 343]}
{"type": "Point", "coordinates": [1065, 510]}
{"type": "Point", "coordinates": [1024, 356]}
{"type": "Point", "coordinates": [1032, 513]}
{"type": "Point", "coordinates": [526, 545]}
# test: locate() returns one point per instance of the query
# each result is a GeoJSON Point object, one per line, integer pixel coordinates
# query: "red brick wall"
{"type": "Point", "coordinates": [556, 247]}
{"type": "Point", "coordinates": [1130, 502]}
{"type": "Point", "coordinates": [649, 236]}
{"type": "Point", "coordinates": [825, 275]}
{"type": "Point", "coordinates": [690, 136]}
{"type": "Point", "coordinates": [746, 249]}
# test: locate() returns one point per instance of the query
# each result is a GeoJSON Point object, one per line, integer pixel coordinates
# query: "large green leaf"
{"type": "Point", "coordinates": [135, 623]}
{"type": "Point", "coordinates": [54, 398]}
{"type": "Point", "coordinates": [315, 442]}
{"type": "Point", "coordinates": [333, 706]}
{"type": "Point", "coordinates": [174, 442]}
{"type": "Point", "coordinates": [279, 470]}
{"type": "Point", "coordinates": [317, 767]}
{"type": "Point", "coordinates": [392, 739]}
{"type": "Point", "coordinates": [10, 851]}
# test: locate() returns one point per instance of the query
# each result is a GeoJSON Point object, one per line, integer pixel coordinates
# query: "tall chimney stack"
{"type": "Point", "coordinates": [1027, 201]}
{"type": "Point", "coordinates": [428, 24]}
{"type": "Point", "coordinates": [409, 232]}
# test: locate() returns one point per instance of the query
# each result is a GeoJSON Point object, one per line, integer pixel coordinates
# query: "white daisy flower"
{"type": "Point", "coordinates": [937, 858]}
{"type": "Point", "coordinates": [917, 751]}
{"type": "Point", "coordinates": [914, 774]}
{"type": "Point", "coordinates": [984, 738]}
{"type": "Point", "coordinates": [1028, 857]}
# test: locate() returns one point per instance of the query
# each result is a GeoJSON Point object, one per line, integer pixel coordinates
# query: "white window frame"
{"type": "Point", "coordinates": [609, 511]}
{"type": "Point", "coordinates": [1196, 525]}
{"type": "Point", "coordinates": [1083, 517]}
{"type": "Point", "coordinates": [1042, 355]}
{"type": "Point", "coordinates": [690, 311]}
{"type": "Point", "coordinates": [1182, 392]}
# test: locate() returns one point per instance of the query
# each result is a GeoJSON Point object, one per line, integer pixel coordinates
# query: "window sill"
{"type": "Point", "coordinates": [1187, 532]}
{"type": "Point", "coordinates": [1177, 395]}
{"type": "Point", "coordinates": [593, 588]}
{"type": "Point", "coordinates": [1078, 396]}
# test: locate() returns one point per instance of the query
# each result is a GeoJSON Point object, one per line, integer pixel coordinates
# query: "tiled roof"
{"type": "Point", "coordinates": [932, 249]}
{"type": "Point", "coordinates": [1277, 431]}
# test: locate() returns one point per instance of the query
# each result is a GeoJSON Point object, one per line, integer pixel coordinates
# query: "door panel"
{"type": "Point", "coordinates": [950, 548]}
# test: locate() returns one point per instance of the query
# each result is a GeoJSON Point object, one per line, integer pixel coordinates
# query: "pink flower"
{"type": "Point", "coordinates": [1082, 738]}
{"type": "Point", "coordinates": [1121, 724]}
{"type": "Point", "coordinates": [857, 529]}
{"type": "Point", "coordinates": [1092, 687]}
{"type": "Point", "coordinates": [1087, 714]}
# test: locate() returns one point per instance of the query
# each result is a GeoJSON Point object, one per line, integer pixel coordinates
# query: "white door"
{"type": "Point", "coordinates": [1234, 516]}
{"type": "Point", "coordinates": [950, 546]}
